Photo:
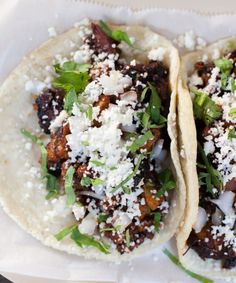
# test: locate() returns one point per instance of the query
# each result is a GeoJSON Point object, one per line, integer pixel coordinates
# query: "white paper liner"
{"type": "Point", "coordinates": [23, 26]}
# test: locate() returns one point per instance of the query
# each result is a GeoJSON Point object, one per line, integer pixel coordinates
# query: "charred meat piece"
{"type": "Point", "coordinates": [57, 150]}
{"type": "Point", "coordinates": [100, 42]}
{"type": "Point", "coordinates": [231, 185]}
{"type": "Point", "coordinates": [155, 73]}
{"type": "Point", "coordinates": [150, 143]}
{"type": "Point", "coordinates": [211, 248]}
{"type": "Point", "coordinates": [137, 236]}
{"type": "Point", "coordinates": [48, 105]}
{"type": "Point", "coordinates": [204, 71]}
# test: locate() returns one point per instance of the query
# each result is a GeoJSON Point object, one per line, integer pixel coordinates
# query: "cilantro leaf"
{"type": "Point", "coordinates": [87, 181]}
{"type": "Point", "coordinates": [102, 217]}
{"type": "Point", "coordinates": [70, 99]}
{"type": "Point", "coordinates": [53, 186]}
{"type": "Point", "coordinates": [167, 182]}
{"type": "Point", "coordinates": [89, 112]}
{"type": "Point", "coordinates": [212, 176]}
{"type": "Point", "coordinates": [72, 66]}
{"type": "Point", "coordinates": [232, 85]}
{"type": "Point", "coordinates": [232, 112]}
{"type": "Point", "coordinates": [127, 238]}
{"type": "Point", "coordinates": [97, 163]}
{"type": "Point", "coordinates": [196, 276]}
{"type": "Point", "coordinates": [225, 65]}
{"type": "Point", "coordinates": [71, 79]}
{"type": "Point", "coordinates": [71, 198]}
{"type": "Point", "coordinates": [232, 134]}
{"type": "Point", "coordinates": [117, 35]}
{"type": "Point", "coordinates": [140, 141]}
{"type": "Point", "coordinates": [120, 35]}
{"type": "Point", "coordinates": [156, 221]}
{"type": "Point", "coordinates": [87, 241]}
{"type": "Point", "coordinates": [204, 107]}
{"type": "Point", "coordinates": [152, 113]}
{"type": "Point", "coordinates": [65, 232]}
{"type": "Point", "coordinates": [154, 104]}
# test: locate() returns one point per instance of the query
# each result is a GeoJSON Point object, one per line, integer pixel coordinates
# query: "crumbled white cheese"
{"type": "Point", "coordinates": [79, 211]}
{"type": "Point", "coordinates": [88, 224]}
{"type": "Point", "coordinates": [114, 83]}
{"type": "Point", "coordinates": [34, 86]}
{"type": "Point", "coordinates": [157, 54]}
{"type": "Point", "coordinates": [52, 32]}
{"type": "Point", "coordinates": [201, 219]}
{"type": "Point", "coordinates": [190, 41]}
{"type": "Point", "coordinates": [58, 121]}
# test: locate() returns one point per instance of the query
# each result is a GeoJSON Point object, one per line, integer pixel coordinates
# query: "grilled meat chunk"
{"type": "Point", "coordinates": [57, 150]}
{"type": "Point", "coordinates": [49, 105]}
{"type": "Point", "coordinates": [100, 42]}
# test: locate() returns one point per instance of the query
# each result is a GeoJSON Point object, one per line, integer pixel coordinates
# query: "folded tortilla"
{"type": "Point", "coordinates": [22, 193]}
{"type": "Point", "coordinates": [188, 143]}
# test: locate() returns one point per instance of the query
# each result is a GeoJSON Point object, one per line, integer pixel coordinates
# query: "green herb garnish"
{"type": "Point", "coordinates": [68, 80]}
{"type": "Point", "coordinates": [52, 182]}
{"type": "Point", "coordinates": [156, 221]}
{"type": "Point", "coordinates": [232, 134]}
{"type": "Point", "coordinates": [205, 108]}
{"type": "Point", "coordinates": [89, 113]}
{"type": "Point", "coordinates": [232, 112]}
{"type": "Point", "coordinates": [140, 141]}
{"type": "Point", "coordinates": [212, 177]}
{"type": "Point", "coordinates": [71, 198]}
{"type": "Point", "coordinates": [87, 181]}
{"type": "Point", "coordinates": [130, 176]}
{"type": "Point", "coordinates": [117, 35]}
{"type": "Point", "coordinates": [102, 217]}
{"type": "Point", "coordinates": [127, 238]}
{"type": "Point", "coordinates": [194, 275]}
{"type": "Point", "coordinates": [167, 182]}
{"type": "Point", "coordinates": [97, 163]}
{"type": "Point", "coordinates": [232, 85]}
{"type": "Point", "coordinates": [152, 117]}
{"type": "Point", "coordinates": [65, 232]}
{"type": "Point", "coordinates": [225, 65]}
{"type": "Point", "coordinates": [70, 98]}
{"type": "Point", "coordinates": [87, 241]}
{"type": "Point", "coordinates": [71, 66]}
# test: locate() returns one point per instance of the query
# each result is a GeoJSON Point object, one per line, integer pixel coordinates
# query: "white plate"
{"type": "Point", "coordinates": [23, 26]}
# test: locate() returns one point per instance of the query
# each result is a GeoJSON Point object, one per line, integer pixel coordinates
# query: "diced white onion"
{"type": "Point", "coordinates": [225, 202]}
{"type": "Point", "coordinates": [201, 220]}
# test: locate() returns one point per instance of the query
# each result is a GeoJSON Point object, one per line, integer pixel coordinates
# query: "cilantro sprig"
{"type": "Point", "coordinates": [87, 181]}
{"type": "Point", "coordinates": [225, 65]}
{"type": "Point", "coordinates": [232, 112]}
{"type": "Point", "coordinates": [73, 78]}
{"type": "Point", "coordinates": [167, 181]}
{"type": "Point", "coordinates": [205, 108]}
{"type": "Point", "coordinates": [157, 221]}
{"type": "Point", "coordinates": [117, 35]}
{"type": "Point", "coordinates": [210, 177]}
{"type": "Point", "coordinates": [82, 240]}
{"type": "Point", "coordinates": [152, 117]}
{"type": "Point", "coordinates": [52, 182]}
{"type": "Point", "coordinates": [140, 141]}
{"type": "Point", "coordinates": [194, 275]}
{"type": "Point", "coordinates": [232, 134]}
{"type": "Point", "coordinates": [71, 198]}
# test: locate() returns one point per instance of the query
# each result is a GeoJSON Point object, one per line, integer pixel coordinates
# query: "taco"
{"type": "Point", "coordinates": [89, 123]}
{"type": "Point", "coordinates": [207, 122]}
